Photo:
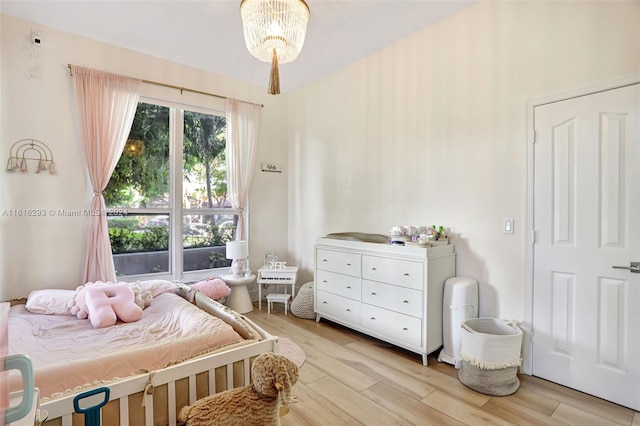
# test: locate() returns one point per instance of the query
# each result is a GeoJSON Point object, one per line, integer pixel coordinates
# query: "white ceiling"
{"type": "Point", "coordinates": [208, 34]}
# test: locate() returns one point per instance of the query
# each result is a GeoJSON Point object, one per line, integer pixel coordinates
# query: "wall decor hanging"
{"type": "Point", "coordinates": [26, 150]}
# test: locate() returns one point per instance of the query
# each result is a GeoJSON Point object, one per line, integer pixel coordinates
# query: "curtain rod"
{"type": "Point", "coordinates": [181, 89]}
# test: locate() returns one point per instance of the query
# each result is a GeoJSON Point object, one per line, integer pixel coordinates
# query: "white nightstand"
{"type": "Point", "coordinates": [239, 300]}
{"type": "Point", "coordinates": [284, 276]}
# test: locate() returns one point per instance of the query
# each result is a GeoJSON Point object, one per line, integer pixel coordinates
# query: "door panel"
{"type": "Point", "coordinates": [586, 317]}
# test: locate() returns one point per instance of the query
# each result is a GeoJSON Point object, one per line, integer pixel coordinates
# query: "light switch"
{"type": "Point", "coordinates": [508, 226]}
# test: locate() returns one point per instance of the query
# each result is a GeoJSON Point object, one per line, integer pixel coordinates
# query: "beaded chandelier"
{"type": "Point", "coordinates": [274, 31]}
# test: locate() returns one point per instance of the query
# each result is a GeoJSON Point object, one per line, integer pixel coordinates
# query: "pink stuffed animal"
{"type": "Point", "coordinates": [107, 304]}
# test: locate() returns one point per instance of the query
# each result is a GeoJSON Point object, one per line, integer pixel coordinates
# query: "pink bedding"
{"type": "Point", "coordinates": [68, 352]}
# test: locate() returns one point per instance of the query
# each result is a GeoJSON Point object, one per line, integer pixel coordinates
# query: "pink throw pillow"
{"type": "Point", "coordinates": [107, 304]}
{"type": "Point", "coordinates": [213, 288]}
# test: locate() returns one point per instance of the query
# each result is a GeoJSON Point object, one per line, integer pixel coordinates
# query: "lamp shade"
{"type": "Point", "coordinates": [237, 250]}
{"type": "Point", "coordinates": [274, 31]}
{"type": "Point", "coordinates": [274, 24]}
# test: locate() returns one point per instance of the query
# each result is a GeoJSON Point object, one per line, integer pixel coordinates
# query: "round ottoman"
{"type": "Point", "coordinates": [302, 305]}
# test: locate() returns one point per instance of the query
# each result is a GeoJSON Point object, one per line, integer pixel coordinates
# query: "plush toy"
{"type": "Point", "coordinates": [259, 403]}
{"type": "Point", "coordinates": [78, 304]}
{"type": "Point", "coordinates": [103, 303]}
{"type": "Point", "coordinates": [107, 304]}
{"type": "Point", "coordinates": [142, 298]}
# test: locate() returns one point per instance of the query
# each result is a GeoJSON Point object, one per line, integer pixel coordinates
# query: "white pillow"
{"type": "Point", "coordinates": [52, 301]}
{"type": "Point", "coordinates": [157, 287]}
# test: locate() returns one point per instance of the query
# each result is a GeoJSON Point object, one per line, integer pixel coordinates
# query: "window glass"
{"type": "Point", "coordinates": [141, 178]}
{"type": "Point", "coordinates": [204, 240]}
{"type": "Point", "coordinates": [139, 243]}
{"type": "Point", "coordinates": [204, 166]}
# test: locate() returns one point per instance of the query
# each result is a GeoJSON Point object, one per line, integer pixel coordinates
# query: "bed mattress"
{"type": "Point", "coordinates": [67, 352]}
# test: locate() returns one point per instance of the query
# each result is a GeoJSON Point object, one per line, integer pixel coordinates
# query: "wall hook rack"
{"type": "Point", "coordinates": [30, 150]}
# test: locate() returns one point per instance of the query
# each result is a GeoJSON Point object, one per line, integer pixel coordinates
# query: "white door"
{"type": "Point", "coordinates": [586, 314]}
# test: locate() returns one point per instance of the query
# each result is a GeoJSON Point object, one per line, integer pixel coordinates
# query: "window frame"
{"type": "Point", "coordinates": [175, 210]}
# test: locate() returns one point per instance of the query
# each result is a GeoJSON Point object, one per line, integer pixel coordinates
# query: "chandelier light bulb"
{"type": "Point", "coordinates": [275, 30]}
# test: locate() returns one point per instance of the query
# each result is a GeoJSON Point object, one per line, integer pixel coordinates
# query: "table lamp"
{"type": "Point", "coordinates": [238, 251]}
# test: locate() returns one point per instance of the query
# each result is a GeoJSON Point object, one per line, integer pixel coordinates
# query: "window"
{"type": "Point", "coordinates": [171, 150]}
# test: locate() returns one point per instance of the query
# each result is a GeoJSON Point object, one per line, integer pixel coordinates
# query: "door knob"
{"type": "Point", "coordinates": [633, 267]}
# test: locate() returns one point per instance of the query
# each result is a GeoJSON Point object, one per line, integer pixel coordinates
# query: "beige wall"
{"type": "Point", "coordinates": [432, 130]}
{"type": "Point", "coordinates": [47, 252]}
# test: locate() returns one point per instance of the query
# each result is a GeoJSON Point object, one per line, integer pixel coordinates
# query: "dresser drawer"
{"type": "Point", "coordinates": [343, 285]}
{"type": "Point", "coordinates": [402, 328]}
{"type": "Point", "coordinates": [393, 271]}
{"type": "Point", "coordinates": [338, 307]}
{"type": "Point", "coordinates": [400, 299]}
{"type": "Point", "coordinates": [338, 261]}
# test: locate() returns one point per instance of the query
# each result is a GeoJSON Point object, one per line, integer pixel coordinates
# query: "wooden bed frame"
{"type": "Point", "coordinates": [155, 398]}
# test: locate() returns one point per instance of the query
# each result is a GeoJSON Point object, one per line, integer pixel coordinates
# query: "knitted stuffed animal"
{"type": "Point", "coordinates": [257, 404]}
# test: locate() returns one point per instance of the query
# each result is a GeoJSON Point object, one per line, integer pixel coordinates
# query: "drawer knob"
{"type": "Point", "coordinates": [373, 318]}
{"type": "Point", "coordinates": [325, 302]}
{"type": "Point", "coordinates": [348, 264]}
{"type": "Point", "coordinates": [406, 274]}
{"type": "Point", "coordinates": [324, 281]}
{"type": "Point", "coordinates": [324, 260]}
{"type": "Point", "coordinates": [373, 294]}
{"type": "Point", "coordinates": [348, 286]}
{"type": "Point", "coordinates": [373, 269]}
{"type": "Point", "coordinates": [348, 310]}
{"type": "Point", "coordinates": [406, 301]}
{"type": "Point", "coordinates": [405, 329]}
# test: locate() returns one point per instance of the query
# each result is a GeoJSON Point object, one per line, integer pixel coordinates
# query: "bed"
{"type": "Point", "coordinates": [186, 346]}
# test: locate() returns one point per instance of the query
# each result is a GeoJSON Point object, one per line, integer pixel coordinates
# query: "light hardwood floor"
{"type": "Point", "coordinates": [351, 379]}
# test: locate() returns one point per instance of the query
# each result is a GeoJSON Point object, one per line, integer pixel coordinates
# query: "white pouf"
{"type": "Point", "coordinates": [302, 305]}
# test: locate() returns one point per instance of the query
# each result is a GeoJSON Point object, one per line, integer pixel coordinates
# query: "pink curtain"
{"type": "Point", "coordinates": [107, 105]}
{"type": "Point", "coordinates": [243, 126]}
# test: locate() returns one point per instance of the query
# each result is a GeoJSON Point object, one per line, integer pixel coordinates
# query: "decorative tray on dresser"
{"type": "Point", "coordinates": [390, 292]}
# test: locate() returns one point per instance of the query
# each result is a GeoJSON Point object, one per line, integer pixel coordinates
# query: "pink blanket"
{"type": "Point", "coordinates": [68, 352]}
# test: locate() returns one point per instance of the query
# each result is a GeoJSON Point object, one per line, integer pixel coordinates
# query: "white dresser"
{"type": "Point", "coordinates": [393, 293]}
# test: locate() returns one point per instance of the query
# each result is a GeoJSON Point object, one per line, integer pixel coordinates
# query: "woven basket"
{"type": "Point", "coordinates": [500, 382]}
{"type": "Point", "coordinates": [490, 351]}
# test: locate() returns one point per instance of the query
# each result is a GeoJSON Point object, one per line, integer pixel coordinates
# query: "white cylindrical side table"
{"type": "Point", "coordinates": [239, 300]}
